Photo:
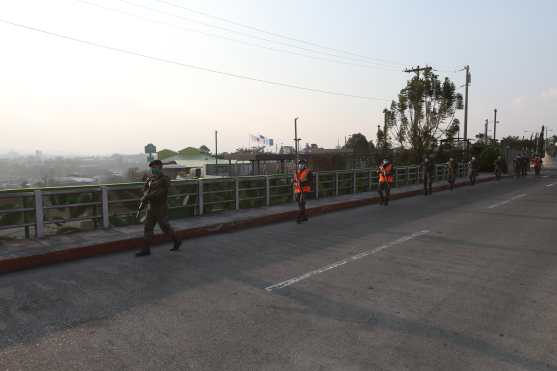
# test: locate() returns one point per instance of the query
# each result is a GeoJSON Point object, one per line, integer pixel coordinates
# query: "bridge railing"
{"type": "Point", "coordinates": [67, 209]}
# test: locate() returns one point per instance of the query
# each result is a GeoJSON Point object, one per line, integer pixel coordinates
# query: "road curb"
{"type": "Point", "coordinates": [82, 252]}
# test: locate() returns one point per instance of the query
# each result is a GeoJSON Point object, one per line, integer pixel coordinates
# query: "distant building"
{"type": "Point", "coordinates": [188, 162]}
{"type": "Point", "coordinates": [287, 150]}
{"type": "Point", "coordinates": [272, 163]}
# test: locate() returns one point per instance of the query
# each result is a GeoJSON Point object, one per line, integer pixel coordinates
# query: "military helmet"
{"type": "Point", "coordinates": [155, 163]}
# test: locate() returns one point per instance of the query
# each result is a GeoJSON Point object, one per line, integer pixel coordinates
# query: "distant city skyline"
{"type": "Point", "coordinates": [62, 97]}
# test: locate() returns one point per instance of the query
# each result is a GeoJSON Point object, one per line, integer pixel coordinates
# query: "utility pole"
{"type": "Point", "coordinates": [468, 79]}
{"type": "Point", "coordinates": [216, 149]}
{"type": "Point", "coordinates": [417, 70]}
{"type": "Point", "coordinates": [486, 126]}
{"type": "Point", "coordinates": [385, 122]}
{"type": "Point", "coordinates": [296, 139]}
{"type": "Point", "coordinates": [495, 125]}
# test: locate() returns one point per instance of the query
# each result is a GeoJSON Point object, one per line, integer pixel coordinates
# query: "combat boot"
{"type": "Point", "coordinates": [177, 244]}
{"type": "Point", "coordinates": [143, 252]}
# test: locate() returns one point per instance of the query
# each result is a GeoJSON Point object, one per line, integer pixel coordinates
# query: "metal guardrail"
{"type": "Point", "coordinates": [116, 204]}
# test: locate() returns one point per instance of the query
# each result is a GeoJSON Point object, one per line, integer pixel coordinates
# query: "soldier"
{"type": "Point", "coordinates": [451, 172]}
{"type": "Point", "coordinates": [517, 166]}
{"type": "Point", "coordinates": [302, 185]}
{"type": "Point", "coordinates": [428, 168]}
{"type": "Point", "coordinates": [525, 164]}
{"type": "Point", "coordinates": [155, 194]}
{"type": "Point", "coordinates": [537, 162]}
{"type": "Point", "coordinates": [498, 165]}
{"type": "Point", "coordinates": [472, 170]}
{"type": "Point", "coordinates": [386, 178]}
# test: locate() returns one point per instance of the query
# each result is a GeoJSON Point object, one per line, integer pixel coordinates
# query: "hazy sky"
{"type": "Point", "coordinates": [64, 97]}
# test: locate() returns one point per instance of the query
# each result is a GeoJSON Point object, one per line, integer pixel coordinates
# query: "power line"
{"type": "Point", "coordinates": [274, 33]}
{"type": "Point", "coordinates": [249, 35]}
{"type": "Point", "coordinates": [235, 40]}
{"type": "Point", "coordinates": [200, 68]}
{"type": "Point", "coordinates": [446, 71]}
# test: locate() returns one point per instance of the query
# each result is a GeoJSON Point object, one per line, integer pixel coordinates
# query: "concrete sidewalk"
{"type": "Point", "coordinates": [24, 254]}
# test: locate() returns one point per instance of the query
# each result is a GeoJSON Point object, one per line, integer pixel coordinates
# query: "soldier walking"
{"type": "Point", "coordinates": [537, 162]}
{"type": "Point", "coordinates": [302, 185]}
{"type": "Point", "coordinates": [472, 170]}
{"type": "Point", "coordinates": [428, 168]}
{"type": "Point", "coordinates": [451, 172]}
{"type": "Point", "coordinates": [525, 164]}
{"type": "Point", "coordinates": [499, 164]}
{"type": "Point", "coordinates": [155, 194]}
{"type": "Point", "coordinates": [517, 166]}
{"type": "Point", "coordinates": [386, 178]}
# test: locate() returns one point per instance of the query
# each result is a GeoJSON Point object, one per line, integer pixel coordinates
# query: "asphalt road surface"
{"type": "Point", "coordinates": [462, 280]}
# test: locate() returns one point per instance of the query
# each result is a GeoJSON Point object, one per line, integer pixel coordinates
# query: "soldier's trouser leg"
{"type": "Point", "coordinates": [380, 191]}
{"type": "Point", "coordinates": [148, 231]}
{"type": "Point", "coordinates": [427, 184]}
{"type": "Point", "coordinates": [167, 228]}
{"type": "Point", "coordinates": [387, 186]}
{"type": "Point", "coordinates": [301, 207]}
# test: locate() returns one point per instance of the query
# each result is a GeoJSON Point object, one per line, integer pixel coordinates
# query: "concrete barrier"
{"type": "Point", "coordinates": [71, 254]}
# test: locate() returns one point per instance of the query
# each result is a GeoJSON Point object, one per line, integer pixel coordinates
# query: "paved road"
{"type": "Point", "coordinates": [462, 280]}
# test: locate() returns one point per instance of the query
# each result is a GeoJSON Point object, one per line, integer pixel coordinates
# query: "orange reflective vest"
{"type": "Point", "coordinates": [301, 181]}
{"type": "Point", "coordinates": [386, 173]}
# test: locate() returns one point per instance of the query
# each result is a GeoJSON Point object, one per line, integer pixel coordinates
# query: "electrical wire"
{"type": "Point", "coordinates": [191, 66]}
{"type": "Point", "coordinates": [249, 35]}
{"type": "Point", "coordinates": [234, 40]}
{"type": "Point", "coordinates": [274, 33]}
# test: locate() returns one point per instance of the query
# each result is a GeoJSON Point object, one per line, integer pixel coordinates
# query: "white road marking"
{"type": "Point", "coordinates": [507, 201]}
{"type": "Point", "coordinates": [345, 261]}
{"type": "Point", "coordinates": [550, 185]}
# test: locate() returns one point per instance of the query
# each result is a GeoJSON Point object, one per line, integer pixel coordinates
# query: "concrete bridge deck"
{"type": "Point", "coordinates": [461, 280]}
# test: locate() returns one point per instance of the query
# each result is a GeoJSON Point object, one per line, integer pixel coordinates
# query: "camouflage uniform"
{"type": "Point", "coordinates": [155, 194]}
{"type": "Point", "coordinates": [428, 168]}
{"type": "Point", "coordinates": [451, 173]}
{"type": "Point", "coordinates": [499, 166]}
{"type": "Point", "coordinates": [472, 171]}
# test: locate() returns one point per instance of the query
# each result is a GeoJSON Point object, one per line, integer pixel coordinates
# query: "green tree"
{"type": "Point", "coordinates": [358, 143]}
{"type": "Point", "coordinates": [419, 117]}
{"type": "Point", "coordinates": [204, 149]}
{"type": "Point", "coordinates": [487, 158]}
{"type": "Point", "coordinates": [551, 146]}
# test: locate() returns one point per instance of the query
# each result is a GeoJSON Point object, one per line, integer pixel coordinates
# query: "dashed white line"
{"type": "Point", "coordinates": [340, 263]}
{"type": "Point", "coordinates": [550, 185]}
{"type": "Point", "coordinates": [506, 201]}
